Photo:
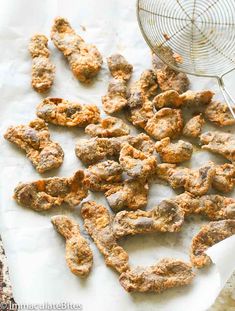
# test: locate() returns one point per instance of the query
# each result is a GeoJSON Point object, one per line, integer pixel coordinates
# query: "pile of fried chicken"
{"type": "Point", "coordinates": [123, 166]}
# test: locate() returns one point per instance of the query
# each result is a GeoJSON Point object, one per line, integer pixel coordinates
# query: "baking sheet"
{"type": "Point", "coordinates": [35, 251]}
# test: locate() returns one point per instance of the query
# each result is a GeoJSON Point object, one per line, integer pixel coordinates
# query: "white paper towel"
{"type": "Point", "coordinates": [35, 251]}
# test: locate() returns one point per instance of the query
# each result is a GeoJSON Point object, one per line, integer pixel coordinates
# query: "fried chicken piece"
{"type": "Point", "coordinates": [174, 152]}
{"type": "Point", "coordinates": [219, 142]}
{"type": "Point", "coordinates": [102, 176]}
{"type": "Point", "coordinates": [167, 273]}
{"type": "Point", "coordinates": [142, 89]}
{"type": "Point", "coordinates": [34, 139]}
{"type": "Point", "coordinates": [166, 122]}
{"type": "Point", "coordinates": [165, 217]}
{"type": "Point", "coordinates": [224, 179]}
{"type": "Point", "coordinates": [173, 99]}
{"type": "Point", "coordinates": [212, 206]}
{"type": "Point", "coordinates": [43, 71]}
{"type": "Point", "coordinates": [136, 163]}
{"type": "Point", "coordinates": [117, 95]}
{"type": "Point", "coordinates": [193, 127]}
{"type": "Point", "coordinates": [78, 253]}
{"type": "Point", "coordinates": [131, 194]}
{"type": "Point", "coordinates": [140, 108]}
{"type": "Point", "coordinates": [97, 222]}
{"type": "Point", "coordinates": [119, 67]}
{"type": "Point", "coordinates": [84, 59]}
{"type": "Point", "coordinates": [219, 114]}
{"type": "Point", "coordinates": [109, 127]}
{"type": "Point", "coordinates": [143, 143]}
{"type": "Point", "coordinates": [169, 79]}
{"type": "Point", "coordinates": [192, 98]}
{"type": "Point", "coordinates": [139, 116]}
{"type": "Point", "coordinates": [67, 113]}
{"type": "Point", "coordinates": [45, 194]}
{"type": "Point", "coordinates": [195, 181]}
{"type": "Point", "coordinates": [96, 149]}
{"type": "Point", "coordinates": [209, 235]}
{"type": "Point", "coordinates": [169, 98]}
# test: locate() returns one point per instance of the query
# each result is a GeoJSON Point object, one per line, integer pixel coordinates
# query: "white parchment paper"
{"type": "Point", "coordinates": [35, 251]}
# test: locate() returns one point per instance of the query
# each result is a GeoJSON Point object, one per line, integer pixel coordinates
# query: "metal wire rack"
{"type": "Point", "coordinates": [201, 32]}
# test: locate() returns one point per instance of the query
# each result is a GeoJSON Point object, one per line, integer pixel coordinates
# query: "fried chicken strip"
{"type": "Point", "coordinates": [116, 97]}
{"type": "Point", "coordinates": [167, 273]}
{"type": "Point", "coordinates": [97, 222]}
{"type": "Point", "coordinates": [166, 122]}
{"type": "Point", "coordinates": [102, 176]}
{"type": "Point", "coordinates": [193, 127]}
{"type": "Point", "coordinates": [34, 139]}
{"type": "Point", "coordinates": [195, 181]}
{"type": "Point", "coordinates": [84, 59]}
{"type": "Point", "coordinates": [43, 71]}
{"type": "Point", "coordinates": [131, 194]}
{"type": "Point", "coordinates": [173, 99]}
{"type": "Point", "coordinates": [219, 114]}
{"type": "Point", "coordinates": [136, 163]}
{"type": "Point", "coordinates": [67, 113]}
{"type": "Point", "coordinates": [93, 150]}
{"type": "Point", "coordinates": [45, 194]}
{"type": "Point", "coordinates": [78, 254]}
{"type": "Point", "coordinates": [174, 152]}
{"type": "Point", "coordinates": [209, 235]}
{"type": "Point", "coordinates": [169, 79]}
{"type": "Point", "coordinates": [164, 217]}
{"type": "Point", "coordinates": [219, 142]}
{"type": "Point", "coordinates": [140, 108]}
{"type": "Point", "coordinates": [212, 206]}
{"type": "Point", "coordinates": [109, 127]}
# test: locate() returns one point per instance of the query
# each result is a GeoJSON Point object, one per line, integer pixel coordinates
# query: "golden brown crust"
{"type": "Point", "coordinates": [193, 127]}
{"type": "Point", "coordinates": [44, 194]}
{"type": "Point", "coordinates": [93, 150]}
{"type": "Point", "coordinates": [224, 179]}
{"type": "Point", "coordinates": [84, 59]}
{"type": "Point", "coordinates": [131, 194]}
{"type": "Point", "coordinates": [63, 112]}
{"type": "Point", "coordinates": [97, 222]}
{"type": "Point", "coordinates": [43, 71]}
{"type": "Point", "coordinates": [136, 163]}
{"type": "Point", "coordinates": [210, 234]}
{"type": "Point", "coordinates": [119, 67]}
{"type": "Point", "coordinates": [174, 152]}
{"type": "Point", "coordinates": [219, 113]}
{"type": "Point", "coordinates": [102, 176]}
{"type": "Point", "coordinates": [169, 98]}
{"type": "Point", "coordinates": [192, 98]}
{"type": "Point", "coordinates": [166, 122]}
{"type": "Point", "coordinates": [139, 116]}
{"type": "Point", "coordinates": [34, 139]}
{"type": "Point", "coordinates": [143, 89]}
{"type": "Point", "coordinates": [169, 79]}
{"type": "Point", "coordinates": [212, 206]}
{"type": "Point", "coordinates": [167, 273]}
{"type": "Point", "coordinates": [109, 127]}
{"type": "Point", "coordinates": [195, 181]}
{"type": "Point", "coordinates": [78, 254]}
{"type": "Point", "coordinates": [219, 142]}
{"type": "Point", "coordinates": [116, 97]}
{"type": "Point", "coordinates": [165, 217]}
